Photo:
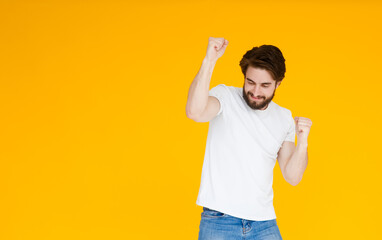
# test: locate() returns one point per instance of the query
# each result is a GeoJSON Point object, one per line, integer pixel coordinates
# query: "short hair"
{"type": "Point", "coordinates": [266, 57]}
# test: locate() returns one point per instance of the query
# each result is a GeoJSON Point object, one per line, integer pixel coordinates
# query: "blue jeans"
{"type": "Point", "coordinates": [216, 225]}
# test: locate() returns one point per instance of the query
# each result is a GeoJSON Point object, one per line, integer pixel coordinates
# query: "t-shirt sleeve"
{"type": "Point", "coordinates": [220, 93]}
{"type": "Point", "coordinates": [291, 135]}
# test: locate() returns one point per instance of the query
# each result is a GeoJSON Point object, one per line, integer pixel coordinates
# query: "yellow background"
{"type": "Point", "coordinates": [95, 142]}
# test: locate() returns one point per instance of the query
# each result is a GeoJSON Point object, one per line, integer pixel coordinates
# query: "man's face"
{"type": "Point", "coordinates": [259, 88]}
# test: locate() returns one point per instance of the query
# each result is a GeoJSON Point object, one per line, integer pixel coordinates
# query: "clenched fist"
{"type": "Point", "coordinates": [216, 48]}
{"type": "Point", "coordinates": [302, 129]}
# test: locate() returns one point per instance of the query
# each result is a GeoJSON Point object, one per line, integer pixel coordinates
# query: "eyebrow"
{"type": "Point", "coordinates": [261, 83]}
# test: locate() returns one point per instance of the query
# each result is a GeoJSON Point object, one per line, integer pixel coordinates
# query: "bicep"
{"type": "Point", "coordinates": [211, 110]}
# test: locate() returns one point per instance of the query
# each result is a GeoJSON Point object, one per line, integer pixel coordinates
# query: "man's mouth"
{"type": "Point", "coordinates": [255, 98]}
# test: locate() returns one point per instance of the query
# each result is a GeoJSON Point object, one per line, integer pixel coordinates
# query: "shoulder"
{"type": "Point", "coordinates": [282, 110]}
{"type": "Point", "coordinates": [223, 89]}
{"type": "Point", "coordinates": [286, 120]}
{"type": "Point", "coordinates": [222, 86]}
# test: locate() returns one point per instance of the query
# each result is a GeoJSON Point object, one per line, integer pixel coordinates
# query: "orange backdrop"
{"type": "Point", "coordinates": [95, 142]}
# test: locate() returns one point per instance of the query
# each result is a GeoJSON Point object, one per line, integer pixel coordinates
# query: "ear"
{"type": "Point", "coordinates": [278, 84]}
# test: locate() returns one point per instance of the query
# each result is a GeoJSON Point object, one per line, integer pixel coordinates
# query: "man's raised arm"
{"type": "Point", "coordinates": [201, 107]}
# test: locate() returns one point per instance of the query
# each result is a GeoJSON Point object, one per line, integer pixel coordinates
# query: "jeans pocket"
{"type": "Point", "coordinates": [209, 213]}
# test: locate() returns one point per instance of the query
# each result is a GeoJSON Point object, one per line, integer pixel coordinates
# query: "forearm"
{"type": "Point", "coordinates": [198, 92]}
{"type": "Point", "coordinates": [297, 163]}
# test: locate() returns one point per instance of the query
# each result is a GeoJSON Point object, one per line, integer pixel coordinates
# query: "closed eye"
{"type": "Point", "coordinates": [263, 85]}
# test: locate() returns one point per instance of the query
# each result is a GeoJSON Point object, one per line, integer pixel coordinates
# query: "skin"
{"type": "Point", "coordinates": [259, 83]}
{"type": "Point", "coordinates": [292, 159]}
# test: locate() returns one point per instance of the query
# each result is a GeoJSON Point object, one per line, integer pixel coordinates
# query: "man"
{"type": "Point", "coordinates": [247, 132]}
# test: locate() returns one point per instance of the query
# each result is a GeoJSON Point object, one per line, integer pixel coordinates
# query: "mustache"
{"type": "Point", "coordinates": [249, 93]}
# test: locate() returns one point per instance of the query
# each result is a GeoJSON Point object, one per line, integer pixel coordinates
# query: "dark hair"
{"type": "Point", "coordinates": [266, 57]}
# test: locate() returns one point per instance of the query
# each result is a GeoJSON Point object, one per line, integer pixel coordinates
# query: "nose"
{"type": "Point", "coordinates": [256, 92]}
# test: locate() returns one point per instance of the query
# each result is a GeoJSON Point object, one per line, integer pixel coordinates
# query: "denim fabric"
{"type": "Point", "coordinates": [215, 225]}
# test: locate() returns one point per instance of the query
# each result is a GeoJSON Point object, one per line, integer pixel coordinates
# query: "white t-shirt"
{"type": "Point", "coordinates": [241, 151]}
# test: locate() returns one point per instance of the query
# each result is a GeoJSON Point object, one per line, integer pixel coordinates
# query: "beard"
{"type": "Point", "coordinates": [257, 105]}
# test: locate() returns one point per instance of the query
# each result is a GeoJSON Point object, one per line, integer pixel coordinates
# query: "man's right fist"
{"type": "Point", "coordinates": [216, 48]}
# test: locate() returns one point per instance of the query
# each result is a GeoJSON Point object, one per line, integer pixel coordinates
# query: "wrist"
{"type": "Point", "coordinates": [210, 61]}
{"type": "Point", "coordinates": [302, 143]}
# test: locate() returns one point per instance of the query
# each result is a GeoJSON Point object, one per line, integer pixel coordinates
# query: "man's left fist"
{"type": "Point", "coordinates": [302, 128]}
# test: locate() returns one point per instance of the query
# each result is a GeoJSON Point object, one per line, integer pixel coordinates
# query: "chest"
{"type": "Point", "coordinates": [267, 131]}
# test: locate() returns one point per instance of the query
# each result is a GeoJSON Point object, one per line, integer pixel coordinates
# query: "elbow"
{"type": "Point", "coordinates": [294, 182]}
{"type": "Point", "coordinates": [292, 179]}
{"type": "Point", "coordinates": [188, 114]}
{"type": "Point", "coordinates": [191, 116]}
